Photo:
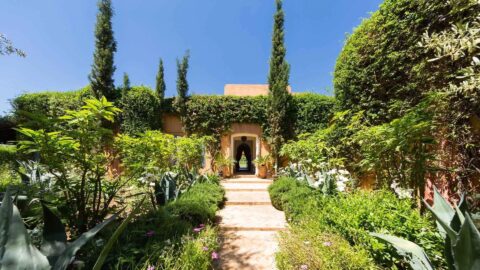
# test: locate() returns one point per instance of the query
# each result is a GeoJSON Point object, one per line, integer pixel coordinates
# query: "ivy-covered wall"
{"type": "Point", "coordinates": [384, 66]}
{"type": "Point", "coordinates": [207, 114]}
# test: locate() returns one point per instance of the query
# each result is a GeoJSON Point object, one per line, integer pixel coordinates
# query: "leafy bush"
{"type": "Point", "coordinates": [172, 237]}
{"type": "Point", "coordinates": [199, 204]}
{"type": "Point", "coordinates": [304, 246]}
{"type": "Point", "coordinates": [208, 115]}
{"type": "Point", "coordinates": [49, 104]}
{"type": "Point", "coordinates": [8, 165]}
{"type": "Point", "coordinates": [140, 110]}
{"type": "Point", "coordinates": [354, 215]}
{"type": "Point", "coordinates": [154, 150]}
{"type": "Point", "coordinates": [77, 163]}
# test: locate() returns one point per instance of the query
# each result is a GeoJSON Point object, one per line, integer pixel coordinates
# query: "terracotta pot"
{"type": "Point", "coordinates": [262, 171]}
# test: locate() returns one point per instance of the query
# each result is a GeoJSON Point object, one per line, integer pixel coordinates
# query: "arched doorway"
{"type": "Point", "coordinates": [243, 157]}
{"type": "Point", "coordinates": [244, 149]}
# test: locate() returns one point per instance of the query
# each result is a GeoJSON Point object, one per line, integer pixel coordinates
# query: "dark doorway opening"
{"type": "Point", "coordinates": [243, 158]}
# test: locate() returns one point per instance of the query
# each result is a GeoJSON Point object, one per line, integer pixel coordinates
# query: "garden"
{"type": "Point", "coordinates": [383, 175]}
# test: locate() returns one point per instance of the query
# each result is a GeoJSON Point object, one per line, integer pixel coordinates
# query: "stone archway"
{"type": "Point", "coordinates": [243, 151]}
{"type": "Point", "coordinates": [249, 147]}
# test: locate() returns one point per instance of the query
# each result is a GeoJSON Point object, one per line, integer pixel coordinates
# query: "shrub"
{"type": "Point", "coordinates": [354, 215]}
{"type": "Point", "coordinates": [165, 238]}
{"type": "Point", "coordinates": [199, 204]}
{"type": "Point", "coordinates": [140, 110]}
{"type": "Point", "coordinates": [50, 104]}
{"type": "Point", "coordinates": [304, 245]}
{"type": "Point", "coordinates": [8, 164]}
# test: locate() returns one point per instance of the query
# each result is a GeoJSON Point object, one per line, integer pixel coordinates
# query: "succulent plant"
{"type": "Point", "coordinates": [17, 250]}
{"type": "Point", "coordinates": [462, 238]}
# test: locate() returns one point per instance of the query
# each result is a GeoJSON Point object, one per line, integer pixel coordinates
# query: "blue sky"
{"type": "Point", "coordinates": [229, 42]}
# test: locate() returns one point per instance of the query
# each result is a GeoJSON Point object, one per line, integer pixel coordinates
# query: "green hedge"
{"type": "Point", "coordinates": [140, 110]}
{"type": "Point", "coordinates": [51, 104]}
{"type": "Point", "coordinates": [354, 215]}
{"type": "Point", "coordinates": [382, 69]}
{"type": "Point", "coordinates": [207, 114]}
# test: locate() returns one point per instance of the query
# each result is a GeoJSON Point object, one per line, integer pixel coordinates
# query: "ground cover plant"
{"type": "Point", "coordinates": [179, 235]}
{"type": "Point", "coordinates": [353, 215]}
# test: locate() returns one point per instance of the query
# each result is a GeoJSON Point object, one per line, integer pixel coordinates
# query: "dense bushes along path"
{"type": "Point", "coordinates": [249, 225]}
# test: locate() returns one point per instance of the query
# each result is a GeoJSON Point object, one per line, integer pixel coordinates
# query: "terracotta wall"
{"type": "Point", "coordinates": [172, 124]}
{"type": "Point", "coordinates": [245, 90]}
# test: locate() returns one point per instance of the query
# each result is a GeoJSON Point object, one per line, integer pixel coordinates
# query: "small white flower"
{"type": "Point", "coordinates": [344, 172]}
{"type": "Point", "coordinates": [152, 184]}
{"type": "Point", "coordinates": [341, 187]}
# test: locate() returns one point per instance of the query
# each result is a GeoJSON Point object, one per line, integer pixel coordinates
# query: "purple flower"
{"type": "Point", "coordinates": [205, 248]}
{"type": "Point", "coordinates": [327, 244]}
{"type": "Point", "coordinates": [150, 234]}
{"type": "Point", "coordinates": [201, 225]}
{"type": "Point", "coordinates": [197, 230]}
{"type": "Point", "coordinates": [303, 267]}
{"type": "Point", "coordinates": [151, 267]}
{"type": "Point", "coordinates": [215, 256]}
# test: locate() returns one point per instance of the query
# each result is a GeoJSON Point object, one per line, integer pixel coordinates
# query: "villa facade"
{"type": "Point", "coordinates": [244, 142]}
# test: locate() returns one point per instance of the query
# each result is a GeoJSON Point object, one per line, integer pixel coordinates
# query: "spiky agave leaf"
{"type": "Point", "coordinates": [54, 236]}
{"type": "Point", "coordinates": [417, 258]}
{"type": "Point", "coordinates": [16, 249]}
{"type": "Point", "coordinates": [466, 251]}
{"type": "Point", "coordinates": [68, 254]}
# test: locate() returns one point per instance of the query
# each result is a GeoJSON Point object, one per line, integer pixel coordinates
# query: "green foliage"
{"type": "Point", "coordinates": [126, 83]}
{"type": "Point", "coordinates": [312, 112]}
{"type": "Point", "coordinates": [279, 103]}
{"type": "Point", "coordinates": [462, 238]}
{"type": "Point", "coordinates": [103, 68]}
{"type": "Point", "coordinates": [156, 151]}
{"type": "Point", "coordinates": [399, 151]}
{"type": "Point", "coordinates": [140, 110]}
{"type": "Point", "coordinates": [171, 237]}
{"type": "Point", "coordinates": [199, 204]}
{"type": "Point", "coordinates": [160, 86]}
{"type": "Point", "coordinates": [182, 84]}
{"type": "Point", "coordinates": [8, 165]}
{"type": "Point", "coordinates": [408, 50]}
{"type": "Point", "coordinates": [354, 215]}
{"type": "Point", "coordinates": [305, 247]}
{"type": "Point", "coordinates": [7, 48]}
{"type": "Point", "coordinates": [48, 104]}
{"type": "Point", "coordinates": [74, 156]}
{"type": "Point", "coordinates": [208, 115]}
{"type": "Point", "coordinates": [17, 250]}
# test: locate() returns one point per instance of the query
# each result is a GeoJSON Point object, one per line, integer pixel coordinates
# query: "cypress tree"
{"type": "Point", "coordinates": [101, 77]}
{"type": "Point", "coordinates": [279, 100]}
{"type": "Point", "coordinates": [182, 84]}
{"type": "Point", "coordinates": [160, 85]}
{"type": "Point", "coordinates": [126, 82]}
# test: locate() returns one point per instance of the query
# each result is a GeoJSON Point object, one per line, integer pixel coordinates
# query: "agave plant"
{"type": "Point", "coordinates": [17, 250]}
{"type": "Point", "coordinates": [462, 238]}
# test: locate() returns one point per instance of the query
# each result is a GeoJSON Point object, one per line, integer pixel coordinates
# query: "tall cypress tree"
{"type": "Point", "coordinates": [101, 77]}
{"type": "Point", "coordinates": [126, 82]}
{"type": "Point", "coordinates": [160, 85]}
{"type": "Point", "coordinates": [279, 100]}
{"type": "Point", "coordinates": [182, 84]}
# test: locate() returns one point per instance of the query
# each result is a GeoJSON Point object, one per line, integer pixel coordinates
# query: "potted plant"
{"type": "Point", "coordinates": [224, 165]}
{"type": "Point", "coordinates": [262, 163]}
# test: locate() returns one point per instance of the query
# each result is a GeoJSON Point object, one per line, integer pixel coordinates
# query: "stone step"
{"type": "Point", "coordinates": [247, 203]}
{"type": "Point", "coordinates": [248, 250]}
{"type": "Point", "coordinates": [245, 186]}
{"type": "Point", "coordinates": [245, 197]}
{"type": "Point", "coordinates": [251, 217]}
{"type": "Point", "coordinates": [248, 181]}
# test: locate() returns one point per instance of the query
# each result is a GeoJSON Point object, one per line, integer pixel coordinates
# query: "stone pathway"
{"type": "Point", "coordinates": [249, 225]}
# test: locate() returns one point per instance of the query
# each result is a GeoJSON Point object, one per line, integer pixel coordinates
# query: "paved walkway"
{"type": "Point", "coordinates": [249, 225]}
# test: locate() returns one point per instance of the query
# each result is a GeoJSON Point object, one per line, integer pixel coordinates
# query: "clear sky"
{"type": "Point", "coordinates": [229, 40]}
